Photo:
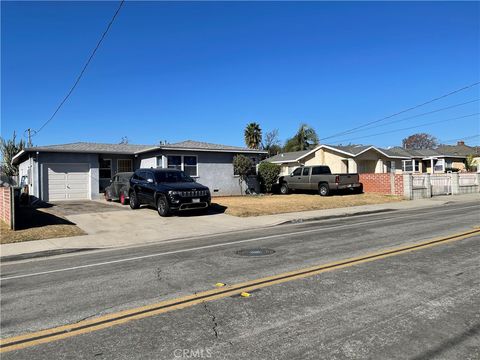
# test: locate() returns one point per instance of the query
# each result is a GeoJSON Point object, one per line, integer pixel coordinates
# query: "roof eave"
{"type": "Point", "coordinates": [17, 156]}
{"type": "Point", "coordinates": [172, 148]}
{"type": "Point", "coordinates": [46, 150]}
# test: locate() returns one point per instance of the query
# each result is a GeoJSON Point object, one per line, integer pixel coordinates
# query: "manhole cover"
{"type": "Point", "coordinates": [255, 252]}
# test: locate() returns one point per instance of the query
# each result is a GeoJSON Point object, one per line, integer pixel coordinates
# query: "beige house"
{"type": "Point", "coordinates": [342, 159]}
{"type": "Point", "coordinates": [372, 159]}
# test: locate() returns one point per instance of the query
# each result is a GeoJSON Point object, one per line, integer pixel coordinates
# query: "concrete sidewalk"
{"type": "Point", "coordinates": [114, 229]}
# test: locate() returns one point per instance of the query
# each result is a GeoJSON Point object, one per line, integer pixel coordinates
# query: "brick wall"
{"type": "Point", "coordinates": [5, 205]}
{"type": "Point", "coordinates": [382, 183]}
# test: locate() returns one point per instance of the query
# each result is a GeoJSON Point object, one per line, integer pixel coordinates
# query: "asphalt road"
{"type": "Point", "coordinates": [419, 305]}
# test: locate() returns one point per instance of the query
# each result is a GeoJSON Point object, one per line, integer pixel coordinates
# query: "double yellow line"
{"type": "Point", "coordinates": [122, 317]}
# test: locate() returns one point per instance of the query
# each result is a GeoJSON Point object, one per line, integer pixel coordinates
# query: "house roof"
{"type": "Point", "coordinates": [462, 150]}
{"type": "Point", "coordinates": [89, 147]}
{"type": "Point", "coordinates": [288, 156]}
{"type": "Point", "coordinates": [353, 149]}
{"type": "Point", "coordinates": [204, 146]}
{"type": "Point", "coordinates": [459, 151]}
{"type": "Point", "coordinates": [131, 149]}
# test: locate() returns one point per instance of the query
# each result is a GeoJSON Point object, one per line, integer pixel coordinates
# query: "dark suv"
{"type": "Point", "coordinates": [168, 190]}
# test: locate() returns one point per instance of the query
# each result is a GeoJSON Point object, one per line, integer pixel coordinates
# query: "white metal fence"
{"type": "Point", "coordinates": [419, 181]}
{"type": "Point", "coordinates": [467, 179]}
{"type": "Point", "coordinates": [441, 184]}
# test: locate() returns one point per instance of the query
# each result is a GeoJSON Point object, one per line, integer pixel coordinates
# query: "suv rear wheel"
{"type": "Point", "coordinates": [162, 206]}
{"type": "Point", "coordinates": [133, 200]}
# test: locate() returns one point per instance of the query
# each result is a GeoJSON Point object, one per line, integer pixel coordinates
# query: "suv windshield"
{"type": "Point", "coordinates": [172, 177]}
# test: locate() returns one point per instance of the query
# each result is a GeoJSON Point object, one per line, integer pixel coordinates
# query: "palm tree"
{"type": "Point", "coordinates": [304, 139]}
{"type": "Point", "coordinates": [253, 136]}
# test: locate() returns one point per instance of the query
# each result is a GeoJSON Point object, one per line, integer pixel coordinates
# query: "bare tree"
{"type": "Point", "coordinates": [271, 142]}
{"type": "Point", "coordinates": [124, 140]}
{"type": "Point", "coordinates": [420, 141]}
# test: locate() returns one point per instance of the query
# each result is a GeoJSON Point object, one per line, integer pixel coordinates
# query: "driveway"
{"type": "Point", "coordinates": [67, 208]}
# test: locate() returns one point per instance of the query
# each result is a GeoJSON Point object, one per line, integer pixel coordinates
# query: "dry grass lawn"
{"type": "Point", "coordinates": [277, 204]}
{"type": "Point", "coordinates": [45, 232]}
{"type": "Point", "coordinates": [38, 224]}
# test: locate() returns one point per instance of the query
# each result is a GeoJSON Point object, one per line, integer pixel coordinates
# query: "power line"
{"type": "Point", "coordinates": [401, 112]}
{"type": "Point", "coordinates": [459, 139]}
{"type": "Point", "coordinates": [417, 116]}
{"type": "Point", "coordinates": [407, 128]}
{"type": "Point", "coordinates": [84, 67]}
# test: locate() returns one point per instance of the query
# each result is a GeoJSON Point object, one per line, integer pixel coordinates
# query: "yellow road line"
{"type": "Point", "coordinates": [102, 322]}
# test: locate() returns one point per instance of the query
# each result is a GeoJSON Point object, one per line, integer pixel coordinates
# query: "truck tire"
{"type": "Point", "coordinates": [323, 189]}
{"type": "Point", "coordinates": [284, 189]}
{"type": "Point", "coordinates": [359, 190]}
{"type": "Point", "coordinates": [162, 206]}
{"type": "Point", "coordinates": [134, 204]}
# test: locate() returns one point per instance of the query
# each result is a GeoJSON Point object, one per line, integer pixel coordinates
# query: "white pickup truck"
{"type": "Point", "coordinates": [319, 178]}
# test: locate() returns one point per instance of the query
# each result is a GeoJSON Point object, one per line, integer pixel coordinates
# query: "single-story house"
{"type": "Point", "coordinates": [372, 159]}
{"type": "Point", "coordinates": [341, 159]}
{"type": "Point", "coordinates": [82, 170]}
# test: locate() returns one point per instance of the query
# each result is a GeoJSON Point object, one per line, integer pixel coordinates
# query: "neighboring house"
{"type": "Point", "coordinates": [460, 149]}
{"type": "Point", "coordinates": [371, 159]}
{"type": "Point", "coordinates": [342, 159]}
{"type": "Point", "coordinates": [83, 170]}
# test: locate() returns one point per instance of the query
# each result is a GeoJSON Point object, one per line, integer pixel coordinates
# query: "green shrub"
{"type": "Point", "coordinates": [242, 166]}
{"type": "Point", "coordinates": [268, 174]}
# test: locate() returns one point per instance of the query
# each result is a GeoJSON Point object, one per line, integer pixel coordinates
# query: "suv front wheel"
{"type": "Point", "coordinates": [162, 206]}
{"type": "Point", "coordinates": [284, 189]}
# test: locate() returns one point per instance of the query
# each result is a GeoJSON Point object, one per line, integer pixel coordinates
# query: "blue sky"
{"type": "Point", "coordinates": [203, 70]}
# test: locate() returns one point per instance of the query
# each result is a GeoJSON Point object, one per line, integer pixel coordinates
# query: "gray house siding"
{"type": "Point", "coordinates": [38, 163]}
{"type": "Point", "coordinates": [215, 170]}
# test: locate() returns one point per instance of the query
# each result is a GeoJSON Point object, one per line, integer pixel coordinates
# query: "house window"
{"type": "Point", "coordinates": [410, 165]}
{"type": "Point", "coordinates": [174, 162]}
{"type": "Point", "coordinates": [124, 165]}
{"type": "Point", "coordinates": [190, 165]}
{"type": "Point", "coordinates": [105, 168]}
{"type": "Point", "coordinates": [187, 163]}
{"type": "Point", "coordinates": [440, 165]}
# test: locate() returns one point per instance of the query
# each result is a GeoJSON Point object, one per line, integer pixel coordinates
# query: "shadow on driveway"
{"type": "Point", "coordinates": [29, 217]}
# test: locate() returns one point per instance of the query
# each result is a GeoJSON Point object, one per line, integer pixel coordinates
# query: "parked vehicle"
{"type": "Point", "coordinates": [319, 178]}
{"type": "Point", "coordinates": [119, 187]}
{"type": "Point", "coordinates": [169, 190]}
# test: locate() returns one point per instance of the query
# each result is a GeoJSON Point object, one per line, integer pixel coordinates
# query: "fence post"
{"type": "Point", "coordinates": [428, 186]}
{"type": "Point", "coordinates": [408, 186]}
{"type": "Point", "coordinates": [477, 181]}
{"type": "Point", "coordinates": [455, 183]}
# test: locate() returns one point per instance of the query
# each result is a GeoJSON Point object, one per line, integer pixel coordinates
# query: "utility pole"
{"type": "Point", "coordinates": [29, 136]}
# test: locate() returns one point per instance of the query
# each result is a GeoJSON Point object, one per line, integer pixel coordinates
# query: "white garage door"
{"type": "Point", "coordinates": [67, 182]}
